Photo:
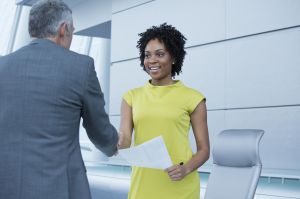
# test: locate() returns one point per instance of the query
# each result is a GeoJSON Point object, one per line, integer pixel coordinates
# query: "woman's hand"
{"type": "Point", "coordinates": [123, 142]}
{"type": "Point", "coordinates": [126, 126]}
{"type": "Point", "coordinates": [177, 172]}
{"type": "Point", "coordinates": [199, 125]}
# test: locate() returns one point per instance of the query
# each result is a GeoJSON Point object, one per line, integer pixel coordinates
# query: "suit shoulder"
{"type": "Point", "coordinates": [80, 61]}
{"type": "Point", "coordinates": [79, 56]}
{"type": "Point", "coordinates": [9, 57]}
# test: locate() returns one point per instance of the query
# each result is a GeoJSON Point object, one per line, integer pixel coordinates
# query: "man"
{"type": "Point", "coordinates": [44, 91]}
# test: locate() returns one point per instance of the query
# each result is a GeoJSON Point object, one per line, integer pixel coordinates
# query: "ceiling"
{"type": "Point", "coordinates": [70, 3]}
{"type": "Point", "coordinates": [102, 30]}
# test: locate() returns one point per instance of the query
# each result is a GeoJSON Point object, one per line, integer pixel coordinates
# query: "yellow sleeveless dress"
{"type": "Point", "coordinates": [163, 110]}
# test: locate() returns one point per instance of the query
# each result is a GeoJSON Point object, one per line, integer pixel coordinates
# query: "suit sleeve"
{"type": "Point", "coordinates": [95, 120]}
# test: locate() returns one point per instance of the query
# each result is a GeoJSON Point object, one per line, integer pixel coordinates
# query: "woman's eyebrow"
{"type": "Point", "coordinates": [161, 49]}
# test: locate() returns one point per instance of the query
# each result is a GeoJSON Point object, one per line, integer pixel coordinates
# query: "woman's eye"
{"type": "Point", "coordinates": [147, 56]}
{"type": "Point", "coordinates": [161, 54]}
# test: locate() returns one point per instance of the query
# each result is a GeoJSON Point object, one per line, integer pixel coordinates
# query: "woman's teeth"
{"type": "Point", "coordinates": [154, 68]}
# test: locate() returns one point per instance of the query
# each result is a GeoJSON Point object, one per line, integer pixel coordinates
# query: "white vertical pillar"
{"type": "Point", "coordinates": [100, 50]}
{"type": "Point", "coordinates": [14, 29]}
{"type": "Point", "coordinates": [88, 44]}
{"type": "Point", "coordinates": [22, 36]}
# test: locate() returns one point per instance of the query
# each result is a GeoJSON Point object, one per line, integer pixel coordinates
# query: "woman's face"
{"type": "Point", "coordinates": [158, 62]}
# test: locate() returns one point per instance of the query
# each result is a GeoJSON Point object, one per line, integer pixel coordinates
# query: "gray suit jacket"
{"type": "Point", "coordinates": [44, 91]}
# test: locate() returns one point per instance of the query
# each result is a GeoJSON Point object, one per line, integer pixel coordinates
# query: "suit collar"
{"type": "Point", "coordinates": [45, 42]}
{"type": "Point", "coordinates": [40, 41]}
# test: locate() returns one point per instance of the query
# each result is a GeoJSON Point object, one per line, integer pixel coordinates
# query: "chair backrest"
{"type": "Point", "coordinates": [236, 165]}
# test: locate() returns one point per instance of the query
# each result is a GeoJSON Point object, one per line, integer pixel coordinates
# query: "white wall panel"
{"type": "Point", "coordinates": [115, 121]}
{"type": "Point", "coordinates": [125, 28]}
{"type": "Point", "coordinates": [22, 36]}
{"type": "Point", "coordinates": [216, 123]}
{"type": "Point", "coordinates": [124, 76]}
{"type": "Point", "coordinates": [91, 13]}
{"type": "Point", "coordinates": [281, 142]}
{"type": "Point", "coordinates": [204, 70]}
{"type": "Point", "coordinates": [264, 70]}
{"type": "Point", "coordinates": [200, 21]}
{"type": "Point", "coordinates": [249, 17]}
{"type": "Point", "coordinates": [261, 70]}
{"type": "Point", "coordinates": [122, 5]}
{"type": "Point", "coordinates": [8, 11]}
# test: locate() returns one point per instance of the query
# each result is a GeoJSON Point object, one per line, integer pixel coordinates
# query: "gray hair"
{"type": "Point", "coordinates": [46, 16]}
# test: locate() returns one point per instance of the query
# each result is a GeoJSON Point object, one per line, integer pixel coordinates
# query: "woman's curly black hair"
{"type": "Point", "coordinates": [172, 39]}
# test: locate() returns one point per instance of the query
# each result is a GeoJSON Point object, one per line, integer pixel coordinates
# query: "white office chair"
{"type": "Point", "coordinates": [236, 165]}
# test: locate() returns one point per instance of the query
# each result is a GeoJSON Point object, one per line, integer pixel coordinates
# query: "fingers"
{"type": "Point", "coordinates": [116, 153]}
{"type": "Point", "coordinates": [176, 172]}
{"type": "Point", "coordinates": [171, 168]}
{"type": "Point", "coordinates": [121, 142]}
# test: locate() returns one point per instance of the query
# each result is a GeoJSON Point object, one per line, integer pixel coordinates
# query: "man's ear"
{"type": "Point", "coordinates": [62, 30]}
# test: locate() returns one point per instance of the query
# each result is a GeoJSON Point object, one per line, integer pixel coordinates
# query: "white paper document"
{"type": "Point", "coordinates": [150, 154]}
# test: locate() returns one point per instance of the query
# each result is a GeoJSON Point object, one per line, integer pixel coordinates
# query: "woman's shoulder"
{"type": "Point", "coordinates": [191, 91]}
{"type": "Point", "coordinates": [192, 97]}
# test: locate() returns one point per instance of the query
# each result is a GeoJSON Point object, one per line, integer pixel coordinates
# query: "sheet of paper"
{"type": "Point", "coordinates": [150, 154]}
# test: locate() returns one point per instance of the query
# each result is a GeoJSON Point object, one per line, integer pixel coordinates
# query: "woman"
{"type": "Point", "coordinates": [165, 107]}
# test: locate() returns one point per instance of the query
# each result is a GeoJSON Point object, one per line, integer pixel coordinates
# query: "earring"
{"type": "Point", "coordinates": [173, 63]}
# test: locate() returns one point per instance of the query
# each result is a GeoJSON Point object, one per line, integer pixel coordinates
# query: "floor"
{"type": "Point", "coordinates": [112, 182]}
